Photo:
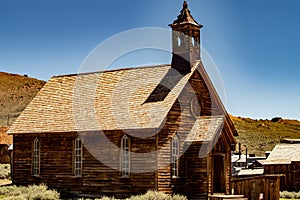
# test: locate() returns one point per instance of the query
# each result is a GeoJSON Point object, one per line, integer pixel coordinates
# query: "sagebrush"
{"type": "Point", "coordinates": [153, 195]}
{"type": "Point", "coordinates": [290, 195]}
{"type": "Point", "coordinates": [4, 171]}
{"type": "Point", "coordinates": [150, 195]}
{"type": "Point", "coordinates": [32, 192]}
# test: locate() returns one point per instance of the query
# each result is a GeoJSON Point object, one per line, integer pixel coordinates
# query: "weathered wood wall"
{"type": "Point", "coordinates": [180, 120]}
{"type": "Point", "coordinates": [222, 149]}
{"type": "Point", "coordinates": [290, 179]}
{"type": "Point", "coordinates": [195, 174]}
{"type": "Point", "coordinates": [196, 186]}
{"type": "Point", "coordinates": [56, 158]}
{"type": "Point", "coordinates": [102, 164]}
{"type": "Point", "coordinates": [252, 187]}
{"type": "Point", "coordinates": [296, 173]}
{"type": "Point", "coordinates": [177, 120]}
{"type": "Point", "coordinates": [100, 173]}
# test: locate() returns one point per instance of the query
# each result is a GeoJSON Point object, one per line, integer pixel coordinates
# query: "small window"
{"type": "Point", "coordinates": [193, 41]}
{"type": "Point", "coordinates": [78, 157]}
{"type": "Point", "coordinates": [125, 156]}
{"type": "Point", "coordinates": [36, 158]}
{"type": "Point", "coordinates": [175, 156]}
{"type": "Point", "coordinates": [178, 42]}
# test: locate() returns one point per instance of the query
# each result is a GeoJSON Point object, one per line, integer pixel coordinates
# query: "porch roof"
{"type": "Point", "coordinates": [205, 128]}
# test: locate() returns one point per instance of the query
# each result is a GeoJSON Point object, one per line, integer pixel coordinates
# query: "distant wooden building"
{"type": "Point", "coordinates": [123, 132]}
{"type": "Point", "coordinates": [5, 141]}
{"type": "Point", "coordinates": [285, 159]}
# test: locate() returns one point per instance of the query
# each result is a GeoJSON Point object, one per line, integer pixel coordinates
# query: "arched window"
{"type": "Point", "coordinates": [77, 157]}
{"type": "Point", "coordinates": [125, 156]}
{"type": "Point", "coordinates": [175, 156]}
{"type": "Point", "coordinates": [36, 157]}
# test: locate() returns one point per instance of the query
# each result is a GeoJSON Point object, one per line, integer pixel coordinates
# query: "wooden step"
{"type": "Point", "coordinates": [224, 196]}
{"type": "Point", "coordinates": [230, 198]}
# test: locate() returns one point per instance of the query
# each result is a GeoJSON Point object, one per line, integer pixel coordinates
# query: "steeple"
{"type": "Point", "coordinates": [185, 40]}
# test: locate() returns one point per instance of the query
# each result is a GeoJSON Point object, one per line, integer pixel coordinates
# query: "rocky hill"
{"type": "Point", "coordinates": [262, 135]}
{"type": "Point", "coordinates": [16, 92]}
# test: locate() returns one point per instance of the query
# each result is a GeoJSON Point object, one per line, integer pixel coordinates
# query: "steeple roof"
{"type": "Point", "coordinates": [185, 17]}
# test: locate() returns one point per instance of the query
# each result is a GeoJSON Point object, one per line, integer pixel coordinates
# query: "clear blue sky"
{"type": "Point", "coordinates": [255, 44]}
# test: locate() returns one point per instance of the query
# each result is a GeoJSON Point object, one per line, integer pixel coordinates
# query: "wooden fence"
{"type": "Point", "coordinates": [264, 187]}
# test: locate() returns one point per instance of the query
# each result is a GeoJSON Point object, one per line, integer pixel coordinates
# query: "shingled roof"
{"type": "Point", "coordinates": [284, 154]}
{"type": "Point", "coordinates": [205, 128]}
{"type": "Point", "coordinates": [108, 100]}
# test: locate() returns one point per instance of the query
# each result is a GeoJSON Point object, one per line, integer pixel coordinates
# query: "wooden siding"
{"type": "Point", "coordinates": [97, 178]}
{"type": "Point", "coordinates": [252, 187]}
{"type": "Point", "coordinates": [105, 176]}
{"type": "Point", "coordinates": [56, 159]}
{"type": "Point", "coordinates": [221, 148]}
{"type": "Point", "coordinates": [179, 120]}
{"type": "Point", "coordinates": [290, 179]}
{"type": "Point", "coordinates": [195, 174]}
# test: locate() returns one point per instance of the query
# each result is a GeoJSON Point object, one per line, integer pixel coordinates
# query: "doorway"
{"type": "Point", "coordinates": [219, 183]}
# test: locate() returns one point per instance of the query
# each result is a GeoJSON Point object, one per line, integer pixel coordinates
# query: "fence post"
{"type": "Point", "coordinates": [8, 120]}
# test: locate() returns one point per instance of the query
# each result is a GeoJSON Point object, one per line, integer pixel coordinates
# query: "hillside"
{"type": "Point", "coordinates": [262, 135]}
{"type": "Point", "coordinates": [258, 136]}
{"type": "Point", "coordinates": [16, 92]}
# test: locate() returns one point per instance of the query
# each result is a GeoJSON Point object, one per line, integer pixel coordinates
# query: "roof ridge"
{"type": "Point", "coordinates": [111, 70]}
{"type": "Point", "coordinates": [211, 116]}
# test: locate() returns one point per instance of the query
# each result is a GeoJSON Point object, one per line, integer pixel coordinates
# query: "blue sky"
{"type": "Point", "coordinates": [254, 44]}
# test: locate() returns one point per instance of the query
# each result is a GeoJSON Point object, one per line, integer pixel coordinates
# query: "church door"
{"type": "Point", "coordinates": [219, 174]}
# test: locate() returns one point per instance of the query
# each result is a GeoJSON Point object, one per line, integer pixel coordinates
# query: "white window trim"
{"type": "Point", "coordinates": [36, 157]}
{"type": "Point", "coordinates": [78, 157]}
{"type": "Point", "coordinates": [175, 148]}
{"type": "Point", "coordinates": [125, 157]}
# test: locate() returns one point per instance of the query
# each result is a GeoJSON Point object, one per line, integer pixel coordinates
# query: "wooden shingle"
{"type": "Point", "coordinates": [205, 128]}
{"type": "Point", "coordinates": [284, 154]}
{"type": "Point", "coordinates": [108, 100]}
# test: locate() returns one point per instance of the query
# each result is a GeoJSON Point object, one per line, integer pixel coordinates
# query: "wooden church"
{"type": "Point", "coordinates": [123, 132]}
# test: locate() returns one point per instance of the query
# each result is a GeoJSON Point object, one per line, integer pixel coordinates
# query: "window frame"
{"type": "Point", "coordinates": [175, 155]}
{"type": "Point", "coordinates": [77, 157]}
{"type": "Point", "coordinates": [125, 157]}
{"type": "Point", "coordinates": [36, 157]}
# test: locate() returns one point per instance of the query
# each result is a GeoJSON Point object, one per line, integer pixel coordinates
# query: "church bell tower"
{"type": "Point", "coordinates": [185, 41]}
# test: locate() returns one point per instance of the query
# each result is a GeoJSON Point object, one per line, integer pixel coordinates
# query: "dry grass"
{"type": "Point", "coordinates": [289, 195]}
{"type": "Point", "coordinates": [4, 182]}
{"type": "Point", "coordinates": [41, 192]}
{"type": "Point", "coordinates": [16, 92]}
{"type": "Point", "coordinates": [150, 195]}
{"type": "Point", "coordinates": [4, 171]}
{"type": "Point", "coordinates": [28, 193]}
{"type": "Point", "coordinates": [262, 135]}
